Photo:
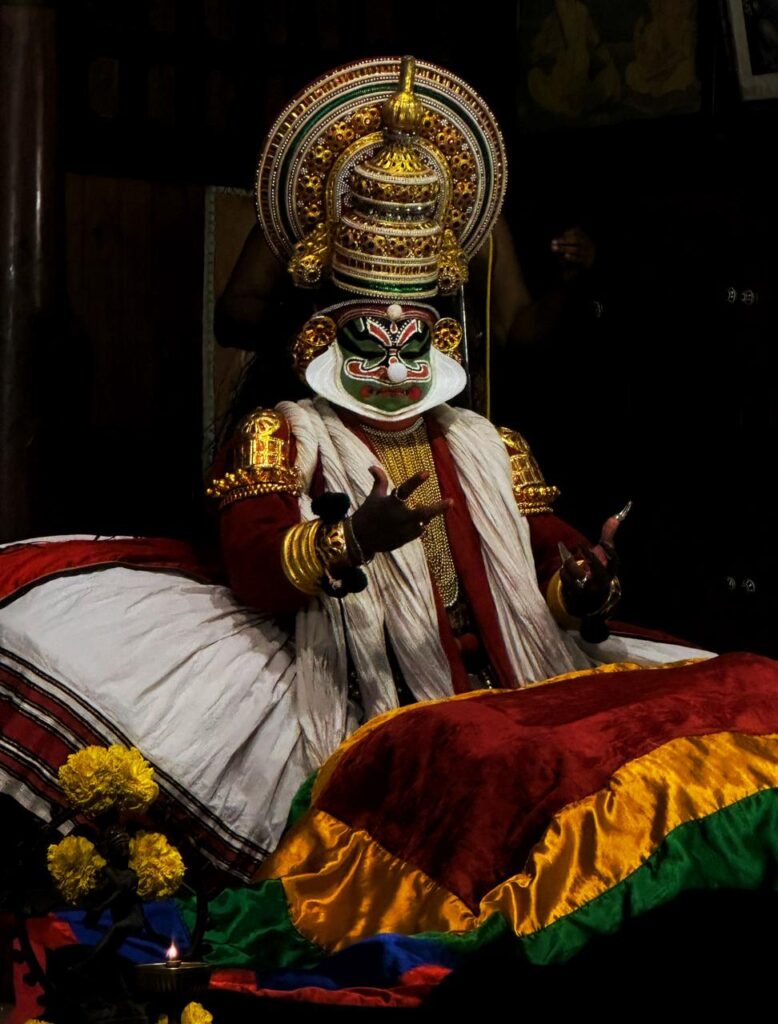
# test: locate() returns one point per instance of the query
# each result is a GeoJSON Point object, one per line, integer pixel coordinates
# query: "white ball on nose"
{"type": "Point", "coordinates": [397, 372]}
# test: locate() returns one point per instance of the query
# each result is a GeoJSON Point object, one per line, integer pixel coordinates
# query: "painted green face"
{"type": "Point", "coordinates": [386, 362]}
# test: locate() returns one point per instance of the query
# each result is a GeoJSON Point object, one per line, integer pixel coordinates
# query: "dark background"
{"type": "Point", "coordinates": [659, 385]}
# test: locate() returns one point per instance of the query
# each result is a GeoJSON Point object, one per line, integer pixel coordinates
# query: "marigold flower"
{"type": "Point", "coordinates": [75, 865]}
{"type": "Point", "coordinates": [193, 1013]}
{"type": "Point", "coordinates": [158, 865]}
{"type": "Point", "coordinates": [88, 780]}
{"type": "Point", "coordinates": [135, 784]}
{"type": "Point", "coordinates": [96, 779]}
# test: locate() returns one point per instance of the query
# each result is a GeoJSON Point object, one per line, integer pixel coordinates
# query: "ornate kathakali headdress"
{"type": "Point", "coordinates": [385, 176]}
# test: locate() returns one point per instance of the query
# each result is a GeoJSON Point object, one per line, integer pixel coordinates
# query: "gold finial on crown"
{"type": "Point", "coordinates": [403, 111]}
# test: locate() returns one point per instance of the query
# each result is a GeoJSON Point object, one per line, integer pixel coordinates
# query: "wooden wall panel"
{"type": "Point", "coordinates": [135, 253]}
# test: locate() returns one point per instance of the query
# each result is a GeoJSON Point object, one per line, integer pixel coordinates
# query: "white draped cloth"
{"type": "Point", "coordinates": [232, 711]}
{"type": "Point", "coordinates": [399, 602]}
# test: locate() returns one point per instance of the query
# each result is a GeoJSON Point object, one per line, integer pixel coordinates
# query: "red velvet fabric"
{"type": "Point", "coordinates": [479, 779]}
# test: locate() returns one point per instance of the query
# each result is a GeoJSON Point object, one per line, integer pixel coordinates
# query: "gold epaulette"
{"type": "Point", "coordinates": [260, 461]}
{"type": "Point", "coordinates": [533, 494]}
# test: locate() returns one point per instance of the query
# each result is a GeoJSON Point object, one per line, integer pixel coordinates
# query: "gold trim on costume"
{"type": "Point", "coordinates": [261, 461]}
{"type": "Point", "coordinates": [533, 495]}
{"type": "Point", "coordinates": [405, 453]}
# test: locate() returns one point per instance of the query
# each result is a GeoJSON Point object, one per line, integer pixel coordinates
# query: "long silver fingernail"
{"type": "Point", "coordinates": [564, 554]}
{"type": "Point", "coordinates": [621, 516]}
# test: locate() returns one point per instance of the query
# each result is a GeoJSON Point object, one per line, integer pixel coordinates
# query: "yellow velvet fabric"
{"type": "Point", "coordinates": [342, 886]}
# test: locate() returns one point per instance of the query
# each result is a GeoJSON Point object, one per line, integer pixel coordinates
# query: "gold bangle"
{"type": "Point", "coordinates": [300, 558]}
{"type": "Point", "coordinates": [354, 548]}
{"type": "Point", "coordinates": [613, 598]}
{"type": "Point", "coordinates": [556, 602]}
{"type": "Point", "coordinates": [557, 606]}
{"type": "Point", "coordinates": [332, 546]}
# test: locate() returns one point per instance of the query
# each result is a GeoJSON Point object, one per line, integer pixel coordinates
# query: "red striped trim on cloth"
{"type": "Point", "coordinates": [26, 565]}
{"type": "Point", "coordinates": [42, 721]}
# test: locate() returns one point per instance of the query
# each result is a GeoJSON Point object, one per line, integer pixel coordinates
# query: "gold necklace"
{"type": "Point", "coordinates": [404, 453]}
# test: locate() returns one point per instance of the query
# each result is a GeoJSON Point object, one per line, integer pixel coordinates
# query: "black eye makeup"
{"type": "Point", "coordinates": [354, 337]}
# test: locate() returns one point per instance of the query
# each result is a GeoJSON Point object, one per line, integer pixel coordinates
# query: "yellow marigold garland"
{"type": "Point", "coordinates": [96, 779]}
{"type": "Point", "coordinates": [193, 1013]}
{"type": "Point", "coordinates": [75, 866]}
{"type": "Point", "coordinates": [159, 866]}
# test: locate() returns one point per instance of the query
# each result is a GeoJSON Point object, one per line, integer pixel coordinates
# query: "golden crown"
{"type": "Point", "coordinates": [386, 192]}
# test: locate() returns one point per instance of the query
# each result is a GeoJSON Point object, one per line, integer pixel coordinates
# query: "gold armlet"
{"type": "Point", "coordinates": [533, 495]}
{"type": "Point", "coordinates": [250, 483]}
{"type": "Point", "coordinates": [556, 604]}
{"type": "Point", "coordinates": [300, 558]}
{"type": "Point", "coordinates": [261, 461]}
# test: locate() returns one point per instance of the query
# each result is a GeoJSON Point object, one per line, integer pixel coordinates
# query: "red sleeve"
{"type": "Point", "coordinates": [546, 531]}
{"type": "Point", "coordinates": [251, 533]}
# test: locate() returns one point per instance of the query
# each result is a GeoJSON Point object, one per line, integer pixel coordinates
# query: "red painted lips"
{"type": "Point", "coordinates": [412, 393]}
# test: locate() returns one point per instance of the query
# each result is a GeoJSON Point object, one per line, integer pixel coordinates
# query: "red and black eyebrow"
{"type": "Point", "coordinates": [379, 331]}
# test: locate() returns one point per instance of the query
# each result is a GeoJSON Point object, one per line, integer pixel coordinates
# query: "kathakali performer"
{"type": "Point", "coordinates": [413, 541]}
{"type": "Point", "coordinates": [382, 546]}
{"type": "Point", "coordinates": [393, 560]}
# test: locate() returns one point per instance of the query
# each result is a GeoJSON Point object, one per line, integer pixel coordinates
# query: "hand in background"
{"type": "Point", "coordinates": [575, 250]}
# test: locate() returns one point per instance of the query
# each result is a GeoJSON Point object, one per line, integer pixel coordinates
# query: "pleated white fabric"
{"type": "Point", "coordinates": [204, 687]}
{"type": "Point", "coordinates": [399, 601]}
{"type": "Point", "coordinates": [233, 711]}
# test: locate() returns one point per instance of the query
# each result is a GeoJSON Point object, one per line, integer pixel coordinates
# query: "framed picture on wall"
{"type": "Point", "coordinates": [594, 62]}
{"type": "Point", "coordinates": [754, 27]}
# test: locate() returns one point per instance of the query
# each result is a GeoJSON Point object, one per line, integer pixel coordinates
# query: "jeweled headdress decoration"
{"type": "Point", "coordinates": [384, 175]}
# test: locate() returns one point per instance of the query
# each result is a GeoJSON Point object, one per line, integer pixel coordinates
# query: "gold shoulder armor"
{"type": "Point", "coordinates": [533, 494]}
{"type": "Point", "coordinates": [260, 462]}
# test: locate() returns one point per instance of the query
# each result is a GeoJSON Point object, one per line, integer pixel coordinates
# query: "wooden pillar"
{"type": "Point", "coordinates": [31, 257]}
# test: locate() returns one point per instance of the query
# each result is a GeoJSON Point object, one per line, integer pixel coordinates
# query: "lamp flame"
{"type": "Point", "coordinates": [172, 953]}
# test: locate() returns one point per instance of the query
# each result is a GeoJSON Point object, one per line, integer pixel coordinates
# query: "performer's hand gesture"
{"type": "Point", "coordinates": [384, 522]}
{"type": "Point", "coordinates": [588, 575]}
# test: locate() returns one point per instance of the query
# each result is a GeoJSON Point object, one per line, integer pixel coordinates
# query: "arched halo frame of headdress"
{"type": "Point", "coordinates": [304, 147]}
